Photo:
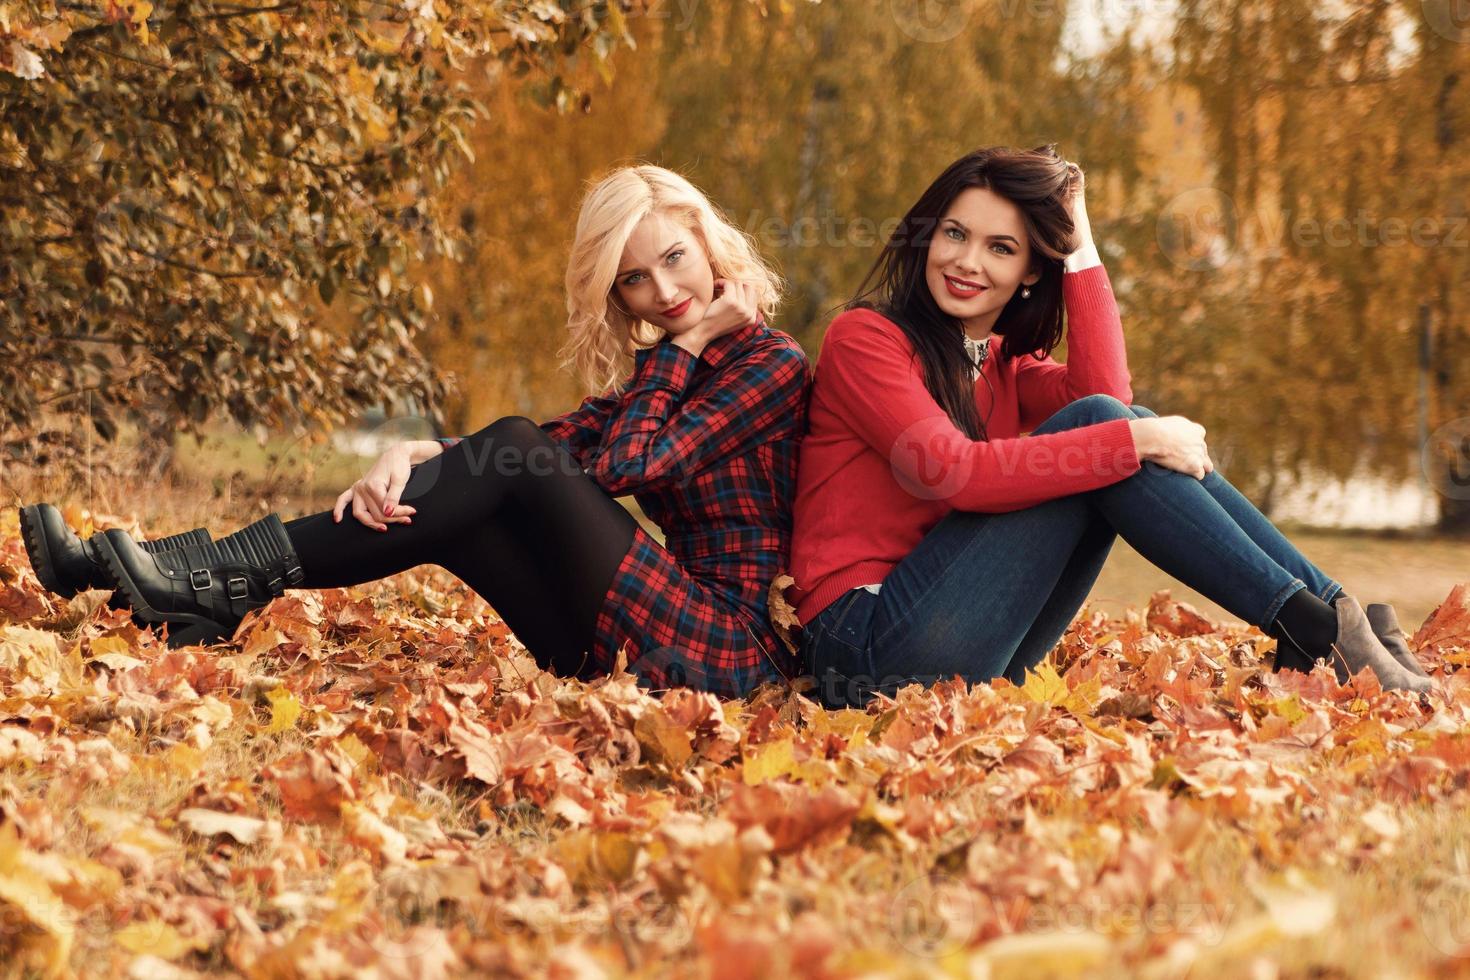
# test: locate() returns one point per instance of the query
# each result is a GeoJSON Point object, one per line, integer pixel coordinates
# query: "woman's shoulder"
{"type": "Point", "coordinates": [776, 344]}
{"type": "Point", "coordinates": [865, 328]}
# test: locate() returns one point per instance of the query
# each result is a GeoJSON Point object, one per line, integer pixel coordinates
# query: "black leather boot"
{"type": "Point", "coordinates": [210, 586]}
{"type": "Point", "coordinates": [66, 564]}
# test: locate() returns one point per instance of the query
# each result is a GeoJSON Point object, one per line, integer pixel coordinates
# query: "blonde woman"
{"type": "Point", "coordinates": [664, 293]}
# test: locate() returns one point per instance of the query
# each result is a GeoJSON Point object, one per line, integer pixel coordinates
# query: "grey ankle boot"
{"type": "Point", "coordinates": [1385, 623]}
{"type": "Point", "coordinates": [1357, 647]}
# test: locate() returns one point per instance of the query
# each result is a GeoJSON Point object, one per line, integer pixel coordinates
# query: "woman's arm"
{"type": "Point", "coordinates": [868, 376]}
{"type": "Point", "coordinates": [657, 440]}
{"type": "Point", "coordinates": [420, 450]}
{"type": "Point", "coordinates": [582, 429]}
{"type": "Point", "coordinates": [1097, 357]}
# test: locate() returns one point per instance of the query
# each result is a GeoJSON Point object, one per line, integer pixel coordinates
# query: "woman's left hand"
{"type": "Point", "coordinates": [737, 306]}
{"type": "Point", "coordinates": [1076, 184]}
{"type": "Point", "coordinates": [1077, 206]}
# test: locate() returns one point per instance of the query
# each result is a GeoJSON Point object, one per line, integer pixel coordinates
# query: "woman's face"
{"type": "Point", "coordinates": [664, 277]}
{"type": "Point", "coordinates": [978, 258]}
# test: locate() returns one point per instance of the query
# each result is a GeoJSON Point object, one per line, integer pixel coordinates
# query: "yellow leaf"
{"type": "Point", "coordinates": [768, 762]}
{"type": "Point", "coordinates": [285, 709]}
{"type": "Point", "coordinates": [617, 855]}
{"type": "Point", "coordinates": [156, 939]}
{"type": "Point", "coordinates": [1082, 699]}
{"type": "Point", "coordinates": [850, 723]}
{"type": "Point", "coordinates": [184, 759]}
{"type": "Point", "coordinates": [360, 755]}
{"type": "Point", "coordinates": [589, 857]}
{"type": "Point", "coordinates": [1044, 685]}
{"type": "Point", "coordinates": [1289, 708]}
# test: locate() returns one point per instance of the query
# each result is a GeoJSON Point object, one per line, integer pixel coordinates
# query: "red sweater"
{"type": "Point", "coordinates": [882, 463]}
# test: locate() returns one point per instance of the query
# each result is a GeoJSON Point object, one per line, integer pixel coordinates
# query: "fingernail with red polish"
{"type": "Point", "coordinates": [389, 511]}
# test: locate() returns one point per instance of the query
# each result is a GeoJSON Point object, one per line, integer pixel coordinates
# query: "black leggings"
{"type": "Point", "coordinates": [510, 512]}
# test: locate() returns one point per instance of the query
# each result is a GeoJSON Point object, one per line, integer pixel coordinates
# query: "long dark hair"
{"type": "Point", "coordinates": [1035, 181]}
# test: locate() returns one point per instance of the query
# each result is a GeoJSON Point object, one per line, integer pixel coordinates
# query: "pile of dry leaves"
{"type": "Point", "coordinates": [379, 782]}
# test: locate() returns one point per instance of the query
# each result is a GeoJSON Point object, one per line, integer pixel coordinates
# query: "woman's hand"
{"type": "Point", "coordinates": [736, 307]}
{"type": "Point", "coordinates": [1173, 441]}
{"type": "Point", "coordinates": [374, 498]}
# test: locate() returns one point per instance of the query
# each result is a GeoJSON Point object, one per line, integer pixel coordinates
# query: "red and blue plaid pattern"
{"type": "Point", "coordinates": [708, 447]}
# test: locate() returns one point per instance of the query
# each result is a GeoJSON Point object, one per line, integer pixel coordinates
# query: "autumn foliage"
{"type": "Point", "coordinates": [379, 781]}
{"type": "Point", "coordinates": [212, 209]}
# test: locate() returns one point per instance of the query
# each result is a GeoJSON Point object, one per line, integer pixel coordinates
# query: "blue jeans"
{"type": "Point", "coordinates": [988, 595]}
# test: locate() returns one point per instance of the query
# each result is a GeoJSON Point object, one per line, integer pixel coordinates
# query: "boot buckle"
{"type": "Point", "coordinates": [237, 582]}
{"type": "Point", "coordinates": [294, 574]}
{"type": "Point", "coordinates": [194, 580]}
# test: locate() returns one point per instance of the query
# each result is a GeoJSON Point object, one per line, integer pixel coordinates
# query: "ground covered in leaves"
{"type": "Point", "coordinates": [379, 782]}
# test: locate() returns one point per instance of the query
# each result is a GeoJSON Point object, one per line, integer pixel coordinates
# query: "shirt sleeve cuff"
{"type": "Point", "coordinates": [664, 365]}
{"type": "Point", "coordinates": [1084, 258]}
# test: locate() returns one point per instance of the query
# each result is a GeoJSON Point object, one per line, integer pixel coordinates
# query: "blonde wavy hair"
{"type": "Point", "coordinates": [602, 338]}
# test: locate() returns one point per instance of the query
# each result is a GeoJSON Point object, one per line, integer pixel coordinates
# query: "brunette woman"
{"type": "Point", "coordinates": [933, 540]}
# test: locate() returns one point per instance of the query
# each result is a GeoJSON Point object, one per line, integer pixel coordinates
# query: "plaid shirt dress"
{"type": "Point", "coordinates": [708, 447]}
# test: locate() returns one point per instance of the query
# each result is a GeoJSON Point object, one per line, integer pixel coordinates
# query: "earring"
{"type": "Point", "coordinates": [1025, 292]}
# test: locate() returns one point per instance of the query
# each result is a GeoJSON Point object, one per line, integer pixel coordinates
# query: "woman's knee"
{"type": "Point", "coordinates": [512, 429]}
{"type": "Point", "coordinates": [514, 445]}
{"type": "Point", "coordinates": [1087, 410]}
{"type": "Point", "coordinates": [1144, 413]}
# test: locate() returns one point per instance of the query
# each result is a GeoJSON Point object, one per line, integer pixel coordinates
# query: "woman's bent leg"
{"type": "Point", "coordinates": [961, 603]}
{"type": "Point", "coordinates": [1260, 529]}
{"type": "Point", "coordinates": [1173, 521]}
{"type": "Point", "coordinates": [1067, 597]}
{"type": "Point", "coordinates": [509, 511]}
{"type": "Point", "coordinates": [964, 601]}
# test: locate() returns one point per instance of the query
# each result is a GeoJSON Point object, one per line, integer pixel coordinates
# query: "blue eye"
{"type": "Point", "coordinates": [674, 255]}
{"type": "Point", "coordinates": [629, 281]}
{"type": "Point", "coordinates": [1007, 248]}
{"type": "Point", "coordinates": [955, 234]}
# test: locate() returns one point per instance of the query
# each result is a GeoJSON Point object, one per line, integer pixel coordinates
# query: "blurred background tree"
{"type": "Point", "coordinates": [1277, 188]}
{"type": "Point", "coordinates": [187, 189]}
